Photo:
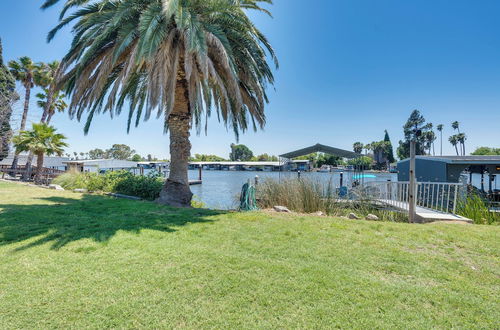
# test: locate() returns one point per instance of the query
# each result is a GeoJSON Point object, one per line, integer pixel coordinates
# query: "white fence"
{"type": "Point", "coordinates": [436, 196]}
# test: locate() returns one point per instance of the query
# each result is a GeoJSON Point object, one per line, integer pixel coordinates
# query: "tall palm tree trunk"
{"type": "Point", "coordinates": [441, 133]}
{"type": "Point", "coordinates": [176, 190]}
{"type": "Point", "coordinates": [39, 167]}
{"type": "Point", "coordinates": [15, 161]}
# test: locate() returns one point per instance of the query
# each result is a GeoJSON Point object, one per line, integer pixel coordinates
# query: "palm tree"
{"type": "Point", "coordinates": [57, 103]}
{"type": "Point", "coordinates": [357, 147]}
{"type": "Point", "coordinates": [456, 126]}
{"type": "Point", "coordinates": [181, 59]}
{"type": "Point", "coordinates": [41, 140]}
{"type": "Point", "coordinates": [49, 77]}
{"type": "Point", "coordinates": [461, 137]}
{"type": "Point", "coordinates": [440, 130]}
{"type": "Point", "coordinates": [454, 141]}
{"type": "Point", "coordinates": [26, 72]}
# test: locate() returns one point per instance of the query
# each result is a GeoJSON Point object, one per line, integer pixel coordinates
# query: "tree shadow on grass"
{"type": "Point", "coordinates": [64, 220]}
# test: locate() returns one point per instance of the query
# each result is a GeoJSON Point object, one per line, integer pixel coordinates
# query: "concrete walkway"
{"type": "Point", "coordinates": [425, 214]}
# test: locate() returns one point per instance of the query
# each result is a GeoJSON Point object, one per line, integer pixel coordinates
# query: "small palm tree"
{"type": "Point", "coordinates": [440, 130]}
{"type": "Point", "coordinates": [51, 103]}
{"type": "Point", "coordinates": [27, 73]}
{"type": "Point", "coordinates": [40, 140]}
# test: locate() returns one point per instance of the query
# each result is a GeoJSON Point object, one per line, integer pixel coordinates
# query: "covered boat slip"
{"type": "Point", "coordinates": [457, 169]}
{"type": "Point", "coordinates": [354, 176]}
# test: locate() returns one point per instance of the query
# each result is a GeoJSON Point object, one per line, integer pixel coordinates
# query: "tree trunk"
{"type": "Point", "coordinates": [456, 149]}
{"type": "Point", "coordinates": [39, 167]}
{"type": "Point", "coordinates": [15, 161]}
{"type": "Point", "coordinates": [44, 117]}
{"type": "Point", "coordinates": [176, 190]}
{"type": "Point", "coordinates": [29, 161]}
{"type": "Point", "coordinates": [49, 117]}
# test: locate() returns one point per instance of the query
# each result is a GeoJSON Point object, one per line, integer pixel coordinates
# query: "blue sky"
{"type": "Point", "coordinates": [349, 69]}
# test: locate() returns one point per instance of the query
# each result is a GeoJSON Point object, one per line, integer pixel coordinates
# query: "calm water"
{"type": "Point", "coordinates": [220, 189]}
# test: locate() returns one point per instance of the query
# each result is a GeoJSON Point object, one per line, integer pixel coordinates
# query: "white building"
{"type": "Point", "coordinates": [100, 165]}
{"type": "Point", "coordinates": [54, 162]}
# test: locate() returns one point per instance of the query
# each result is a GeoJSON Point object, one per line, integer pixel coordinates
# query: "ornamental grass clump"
{"type": "Point", "coordinates": [475, 208]}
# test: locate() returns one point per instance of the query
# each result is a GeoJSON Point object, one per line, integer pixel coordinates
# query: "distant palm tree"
{"type": "Point", "coordinates": [456, 126]}
{"type": "Point", "coordinates": [182, 59]}
{"type": "Point", "coordinates": [440, 130]}
{"type": "Point", "coordinates": [50, 73]}
{"type": "Point", "coordinates": [461, 137]}
{"type": "Point", "coordinates": [454, 142]}
{"type": "Point", "coordinates": [27, 73]}
{"type": "Point", "coordinates": [57, 103]}
{"type": "Point", "coordinates": [41, 140]}
{"type": "Point", "coordinates": [357, 147]}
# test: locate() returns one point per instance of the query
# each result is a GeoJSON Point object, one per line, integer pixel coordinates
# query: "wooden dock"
{"type": "Point", "coordinates": [195, 182]}
{"type": "Point", "coordinates": [423, 213]}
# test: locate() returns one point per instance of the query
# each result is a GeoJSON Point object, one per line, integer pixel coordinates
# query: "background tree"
{"type": "Point", "coordinates": [8, 96]}
{"type": "Point", "coordinates": [240, 152]}
{"type": "Point", "coordinates": [26, 72]}
{"type": "Point", "coordinates": [363, 161]}
{"type": "Point", "coordinates": [486, 151]}
{"type": "Point", "coordinates": [389, 148]}
{"type": "Point", "coordinates": [49, 75]}
{"type": "Point", "coordinates": [57, 104]}
{"type": "Point", "coordinates": [97, 154]}
{"type": "Point", "coordinates": [454, 142]}
{"type": "Point", "coordinates": [180, 58]}
{"type": "Point", "coordinates": [206, 158]}
{"type": "Point", "coordinates": [41, 140]}
{"type": "Point", "coordinates": [358, 147]}
{"type": "Point", "coordinates": [120, 151]}
{"type": "Point", "coordinates": [136, 158]}
{"type": "Point", "coordinates": [440, 130]}
{"type": "Point", "coordinates": [415, 122]}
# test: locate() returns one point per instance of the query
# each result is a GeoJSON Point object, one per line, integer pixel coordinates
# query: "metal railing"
{"type": "Point", "coordinates": [438, 196]}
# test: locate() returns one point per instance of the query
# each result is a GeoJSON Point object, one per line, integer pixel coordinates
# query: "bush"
{"type": "Point", "coordinates": [122, 182]}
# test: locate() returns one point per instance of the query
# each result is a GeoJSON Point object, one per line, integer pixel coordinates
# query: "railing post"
{"type": "Point", "coordinates": [411, 189]}
{"type": "Point", "coordinates": [455, 200]}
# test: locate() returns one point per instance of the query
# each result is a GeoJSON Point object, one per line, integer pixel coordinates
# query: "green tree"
{"type": "Point", "coordinates": [358, 147]}
{"type": "Point", "coordinates": [136, 158]}
{"type": "Point", "coordinates": [389, 148]}
{"type": "Point", "coordinates": [120, 151]}
{"type": "Point", "coordinates": [415, 123]}
{"type": "Point", "coordinates": [460, 137]}
{"type": "Point", "coordinates": [486, 151]}
{"type": "Point", "coordinates": [40, 140]}
{"type": "Point", "coordinates": [97, 154]}
{"type": "Point", "coordinates": [364, 161]}
{"type": "Point", "coordinates": [240, 152]}
{"type": "Point", "coordinates": [27, 73]}
{"type": "Point", "coordinates": [8, 96]}
{"type": "Point", "coordinates": [182, 58]}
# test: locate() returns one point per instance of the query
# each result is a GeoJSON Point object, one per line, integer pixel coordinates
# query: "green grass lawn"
{"type": "Point", "coordinates": [73, 261]}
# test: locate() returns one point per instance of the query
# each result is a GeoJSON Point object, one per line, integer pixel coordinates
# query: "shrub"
{"type": "Point", "coordinates": [122, 182]}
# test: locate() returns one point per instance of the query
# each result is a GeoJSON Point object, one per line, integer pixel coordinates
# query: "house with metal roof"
{"type": "Point", "coordinates": [451, 168]}
{"type": "Point", "coordinates": [99, 165]}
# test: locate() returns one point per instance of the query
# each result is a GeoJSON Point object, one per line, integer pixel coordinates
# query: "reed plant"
{"type": "Point", "coordinates": [307, 195]}
{"type": "Point", "coordinates": [476, 208]}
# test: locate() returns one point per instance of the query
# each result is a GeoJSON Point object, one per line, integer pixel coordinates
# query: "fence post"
{"type": "Point", "coordinates": [455, 199]}
{"type": "Point", "coordinates": [411, 189]}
